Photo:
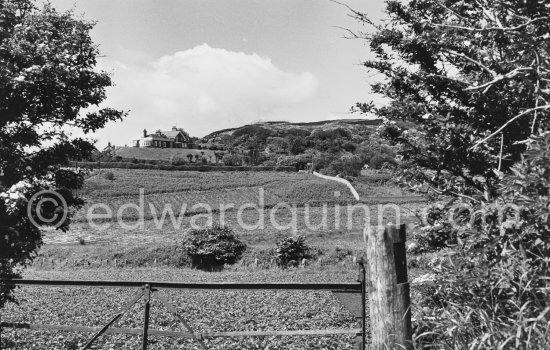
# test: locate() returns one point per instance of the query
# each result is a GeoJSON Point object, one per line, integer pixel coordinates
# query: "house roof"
{"type": "Point", "coordinates": [169, 135]}
{"type": "Point", "coordinates": [174, 133]}
{"type": "Point", "coordinates": [156, 137]}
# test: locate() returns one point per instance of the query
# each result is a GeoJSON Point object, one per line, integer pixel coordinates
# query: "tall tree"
{"type": "Point", "coordinates": [48, 77]}
{"type": "Point", "coordinates": [469, 90]}
{"type": "Point", "coordinates": [468, 83]}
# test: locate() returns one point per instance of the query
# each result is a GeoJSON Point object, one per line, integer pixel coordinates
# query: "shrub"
{"type": "Point", "coordinates": [339, 254]}
{"type": "Point", "coordinates": [212, 247]}
{"type": "Point", "coordinates": [109, 176]}
{"type": "Point", "coordinates": [299, 161]}
{"type": "Point", "coordinates": [379, 161]}
{"type": "Point", "coordinates": [491, 289]}
{"type": "Point", "coordinates": [346, 165]}
{"type": "Point", "coordinates": [291, 250]}
{"type": "Point", "coordinates": [232, 159]}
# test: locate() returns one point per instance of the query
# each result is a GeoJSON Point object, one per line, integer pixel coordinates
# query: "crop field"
{"type": "Point", "coordinates": [283, 203]}
{"type": "Point", "coordinates": [215, 189]}
{"type": "Point", "coordinates": [298, 203]}
{"type": "Point", "coordinates": [204, 311]}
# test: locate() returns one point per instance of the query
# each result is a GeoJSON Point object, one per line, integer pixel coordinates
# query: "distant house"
{"type": "Point", "coordinates": [175, 138]}
{"type": "Point", "coordinates": [109, 150]}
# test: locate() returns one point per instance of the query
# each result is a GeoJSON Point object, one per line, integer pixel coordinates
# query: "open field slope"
{"type": "Point", "coordinates": [261, 207]}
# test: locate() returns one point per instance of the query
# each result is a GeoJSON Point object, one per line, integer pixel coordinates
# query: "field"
{"type": "Point", "coordinates": [148, 250]}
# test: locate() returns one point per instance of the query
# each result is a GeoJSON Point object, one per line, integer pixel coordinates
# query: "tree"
{"type": "Point", "coordinates": [232, 159]}
{"type": "Point", "coordinates": [464, 80]}
{"type": "Point", "coordinates": [469, 90]}
{"type": "Point", "coordinates": [47, 76]}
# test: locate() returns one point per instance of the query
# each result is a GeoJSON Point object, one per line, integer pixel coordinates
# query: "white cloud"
{"type": "Point", "coordinates": [204, 89]}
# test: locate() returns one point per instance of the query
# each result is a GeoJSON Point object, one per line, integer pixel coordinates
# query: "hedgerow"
{"type": "Point", "coordinates": [167, 166]}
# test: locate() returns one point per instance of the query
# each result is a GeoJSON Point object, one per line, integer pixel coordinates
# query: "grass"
{"type": "Point", "coordinates": [181, 189]}
{"type": "Point", "coordinates": [108, 239]}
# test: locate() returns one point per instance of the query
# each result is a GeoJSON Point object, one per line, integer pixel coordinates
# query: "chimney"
{"type": "Point", "coordinates": [144, 133]}
{"type": "Point", "coordinates": [174, 128]}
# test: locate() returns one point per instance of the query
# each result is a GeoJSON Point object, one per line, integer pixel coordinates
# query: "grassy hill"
{"type": "Point", "coordinates": [281, 127]}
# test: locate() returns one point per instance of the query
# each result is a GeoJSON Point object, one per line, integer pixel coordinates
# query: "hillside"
{"type": "Point", "coordinates": [335, 146]}
{"type": "Point", "coordinates": [281, 127]}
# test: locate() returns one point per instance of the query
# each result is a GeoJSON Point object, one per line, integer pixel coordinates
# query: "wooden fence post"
{"type": "Point", "coordinates": [145, 339]}
{"type": "Point", "coordinates": [389, 291]}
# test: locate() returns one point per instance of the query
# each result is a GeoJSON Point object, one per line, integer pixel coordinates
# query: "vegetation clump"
{"type": "Point", "coordinates": [291, 250]}
{"type": "Point", "coordinates": [49, 76]}
{"type": "Point", "coordinates": [213, 247]}
{"type": "Point", "coordinates": [468, 110]}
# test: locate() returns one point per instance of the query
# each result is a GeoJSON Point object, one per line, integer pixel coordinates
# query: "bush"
{"type": "Point", "coordinates": [380, 161]}
{"type": "Point", "coordinates": [232, 159]}
{"type": "Point", "coordinates": [491, 289]}
{"type": "Point", "coordinates": [212, 247]}
{"type": "Point", "coordinates": [291, 250]}
{"type": "Point", "coordinates": [109, 176]}
{"type": "Point", "coordinates": [346, 165]}
{"type": "Point", "coordinates": [299, 162]}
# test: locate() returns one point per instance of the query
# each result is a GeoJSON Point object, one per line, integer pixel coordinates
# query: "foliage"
{"type": "Point", "coordinates": [468, 85]}
{"type": "Point", "coordinates": [496, 289]}
{"type": "Point", "coordinates": [291, 251]}
{"type": "Point", "coordinates": [47, 75]}
{"type": "Point", "coordinates": [301, 143]}
{"type": "Point", "coordinates": [109, 176]}
{"type": "Point", "coordinates": [232, 159]}
{"type": "Point", "coordinates": [211, 248]}
{"type": "Point", "coordinates": [188, 167]}
{"type": "Point", "coordinates": [376, 153]}
{"type": "Point", "coordinates": [345, 165]}
{"type": "Point", "coordinates": [299, 161]}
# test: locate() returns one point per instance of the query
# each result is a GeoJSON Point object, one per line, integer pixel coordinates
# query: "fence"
{"type": "Point", "coordinates": [387, 284]}
{"type": "Point", "coordinates": [146, 290]}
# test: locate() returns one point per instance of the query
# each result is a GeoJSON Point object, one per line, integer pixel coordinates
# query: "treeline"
{"type": "Point", "coordinates": [333, 151]}
{"type": "Point", "coordinates": [165, 166]}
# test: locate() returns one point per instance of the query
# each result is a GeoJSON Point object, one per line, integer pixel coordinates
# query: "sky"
{"type": "Point", "coordinates": [205, 65]}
